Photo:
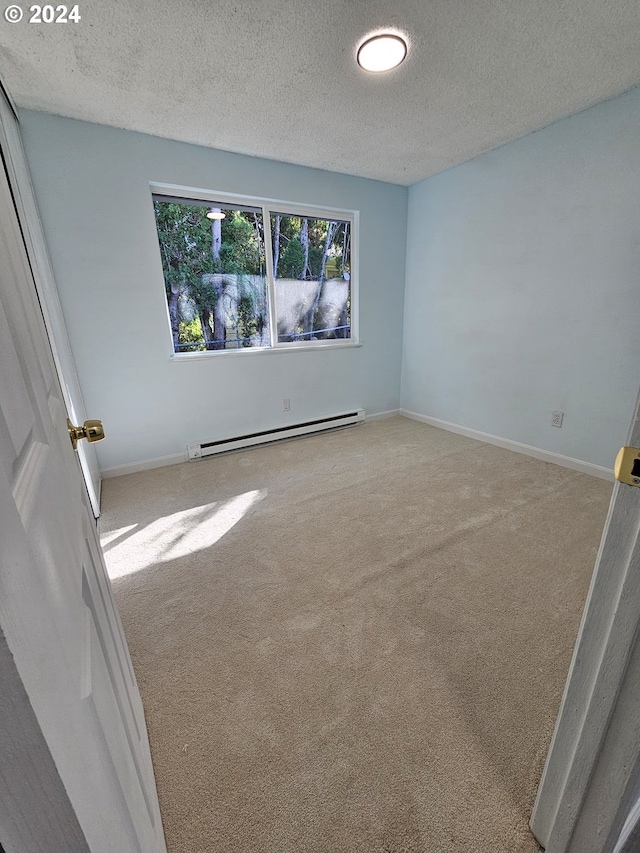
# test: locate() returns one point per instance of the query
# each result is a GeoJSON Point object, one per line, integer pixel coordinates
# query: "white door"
{"type": "Point", "coordinates": [24, 198]}
{"type": "Point", "coordinates": [588, 797]}
{"type": "Point", "coordinates": [75, 765]}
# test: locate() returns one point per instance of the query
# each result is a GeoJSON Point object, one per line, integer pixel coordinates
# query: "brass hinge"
{"type": "Point", "coordinates": [627, 466]}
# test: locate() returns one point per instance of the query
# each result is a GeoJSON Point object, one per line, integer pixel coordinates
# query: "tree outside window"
{"type": "Point", "coordinates": [224, 290]}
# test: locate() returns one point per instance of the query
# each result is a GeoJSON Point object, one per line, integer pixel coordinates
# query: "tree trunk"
{"type": "Point", "coordinates": [219, 318]}
{"type": "Point", "coordinates": [219, 327]}
{"type": "Point", "coordinates": [205, 316]}
{"type": "Point", "coordinates": [258, 239]}
{"type": "Point", "coordinates": [174, 315]}
{"type": "Point", "coordinates": [304, 240]}
{"type": "Point", "coordinates": [276, 245]}
{"type": "Point", "coordinates": [345, 247]}
{"type": "Point", "coordinates": [331, 230]}
{"type": "Point", "coordinates": [216, 235]}
{"type": "Point", "coordinates": [344, 317]}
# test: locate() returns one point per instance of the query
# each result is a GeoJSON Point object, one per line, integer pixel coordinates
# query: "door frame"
{"type": "Point", "coordinates": [590, 781]}
{"type": "Point", "coordinates": [24, 201]}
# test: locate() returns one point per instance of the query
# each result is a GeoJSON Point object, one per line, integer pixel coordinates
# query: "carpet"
{"type": "Point", "coordinates": [354, 642]}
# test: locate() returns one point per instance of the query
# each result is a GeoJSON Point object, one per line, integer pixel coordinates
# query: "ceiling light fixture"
{"type": "Point", "coordinates": [382, 52]}
{"type": "Point", "coordinates": [216, 214]}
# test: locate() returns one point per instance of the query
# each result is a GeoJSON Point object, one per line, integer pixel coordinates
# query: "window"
{"type": "Point", "coordinates": [254, 275]}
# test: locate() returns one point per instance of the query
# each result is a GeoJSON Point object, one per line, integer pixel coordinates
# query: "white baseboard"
{"type": "Point", "coordinates": [517, 446]}
{"type": "Point", "coordinates": [507, 443]}
{"type": "Point", "coordinates": [133, 467]}
{"type": "Point", "coordinates": [380, 416]}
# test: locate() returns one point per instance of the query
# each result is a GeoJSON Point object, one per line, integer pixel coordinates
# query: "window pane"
{"type": "Point", "coordinates": [312, 272]}
{"type": "Point", "coordinates": [215, 275]}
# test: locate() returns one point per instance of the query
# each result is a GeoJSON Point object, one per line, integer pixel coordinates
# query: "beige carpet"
{"type": "Point", "coordinates": [354, 642]}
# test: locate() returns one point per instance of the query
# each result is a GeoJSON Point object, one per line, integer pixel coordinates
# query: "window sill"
{"type": "Point", "coordinates": [246, 351]}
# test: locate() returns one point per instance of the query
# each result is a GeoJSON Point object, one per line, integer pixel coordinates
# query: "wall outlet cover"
{"type": "Point", "coordinates": [557, 418]}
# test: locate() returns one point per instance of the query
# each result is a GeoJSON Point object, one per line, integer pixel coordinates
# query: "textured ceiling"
{"type": "Point", "coordinates": [277, 78]}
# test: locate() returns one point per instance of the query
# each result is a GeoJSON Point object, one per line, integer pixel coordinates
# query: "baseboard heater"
{"type": "Point", "coordinates": [208, 448]}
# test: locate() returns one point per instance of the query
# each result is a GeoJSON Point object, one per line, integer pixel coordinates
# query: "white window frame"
{"type": "Point", "coordinates": [285, 208]}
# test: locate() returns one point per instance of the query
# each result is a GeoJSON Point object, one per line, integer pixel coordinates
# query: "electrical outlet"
{"type": "Point", "coordinates": [286, 405]}
{"type": "Point", "coordinates": [556, 419]}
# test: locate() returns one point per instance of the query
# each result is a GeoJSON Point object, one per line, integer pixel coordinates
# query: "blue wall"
{"type": "Point", "coordinates": [522, 293]}
{"type": "Point", "coordinates": [92, 188]}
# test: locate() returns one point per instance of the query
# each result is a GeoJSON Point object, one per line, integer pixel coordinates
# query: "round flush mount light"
{"type": "Point", "coordinates": [216, 214]}
{"type": "Point", "coordinates": [382, 52]}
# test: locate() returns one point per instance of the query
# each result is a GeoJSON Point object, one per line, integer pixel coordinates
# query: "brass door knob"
{"type": "Point", "coordinates": [91, 430]}
{"type": "Point", "coordinates": [627, 466]}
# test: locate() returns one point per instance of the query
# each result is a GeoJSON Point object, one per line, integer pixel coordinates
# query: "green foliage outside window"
{"type": "Point", "coordinates": [215, 276]}
{"type": "Point", "coordinates": [292, 261]}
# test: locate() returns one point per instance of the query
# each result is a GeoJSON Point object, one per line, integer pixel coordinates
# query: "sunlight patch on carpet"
{"type": "Point", "coordinates": [175, 535]}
